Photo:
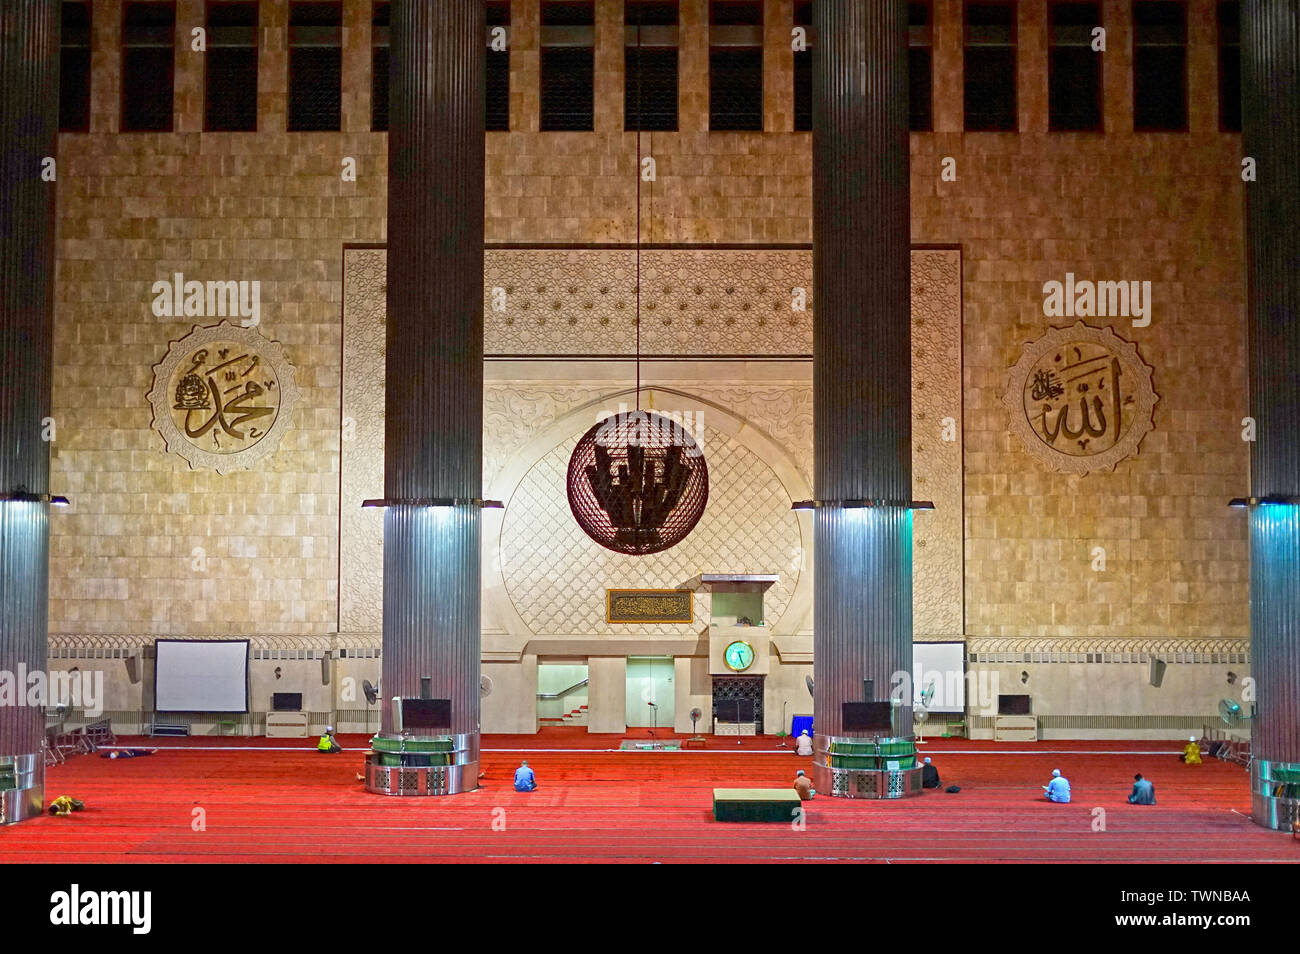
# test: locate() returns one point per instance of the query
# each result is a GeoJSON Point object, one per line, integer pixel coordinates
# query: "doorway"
{"type": "Point", "coordinates": [650, 691]}
{"type": "Point", "coordinates": [562, 693]}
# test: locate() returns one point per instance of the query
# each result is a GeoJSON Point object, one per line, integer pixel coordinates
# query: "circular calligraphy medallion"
{"type": "Point", "coordinates": [637, 483]}
{"type": "Point", "coordinates": [1080, 399]}
{"type": "Point", "coordinates": [223, 397]}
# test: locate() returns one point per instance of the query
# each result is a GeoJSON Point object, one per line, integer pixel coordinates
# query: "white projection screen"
{"type": "Point", "coordinates": [945, 665]}
{"type": "Point", "coordinates": [201, 675]}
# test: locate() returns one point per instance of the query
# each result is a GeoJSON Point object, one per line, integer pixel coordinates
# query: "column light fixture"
{"type": "Point", "coordinates": [24, 496]}
{"type": "Point", "coordinates": [434, 502]}
{"type": "Point", "coordinates": [860, 504]}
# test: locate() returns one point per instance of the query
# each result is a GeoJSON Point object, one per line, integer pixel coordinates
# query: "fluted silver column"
{"type": "Point", "coordinates": [29, 122]}
{"type": "Point", "coordinates": [1270, 46]}
{"type": "Point", "coordinates": [434, 418]}
{"type": "Point", "coordinates": [862, 359]}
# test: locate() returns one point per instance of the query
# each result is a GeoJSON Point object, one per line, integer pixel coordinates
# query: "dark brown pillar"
{"type": "Point", "coordinates": [29, 123]}
{"type": "Point", "coordinates": [862, 370]}
{"type": "Point", "coordinates": [434, 419]}
{"type": "Point", "coordinates": [1270, 47]}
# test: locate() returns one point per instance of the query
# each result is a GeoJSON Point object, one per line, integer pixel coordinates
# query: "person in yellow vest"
{"type": "Point", "coordinates": [66, 805]}
{"type": "Point", "coordinates": [327, 742]}
{"type": "Point", "coordinates": [1191, 752]}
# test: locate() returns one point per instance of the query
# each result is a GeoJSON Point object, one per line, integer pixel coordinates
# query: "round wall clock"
{"type": "Point", "coordinates": [738, 656]}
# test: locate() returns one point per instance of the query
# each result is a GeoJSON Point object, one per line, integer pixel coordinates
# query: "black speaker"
{"type": "Point", "coordinates": [1157, 671]}
{"type": "Point", "coordinates": [426, 687]}
{"type": "Point", "coordinates": [132, 664]}
{"type": "Point", "coordinates": [868, 690]}
{"type": "Point", "coordinates": [325, 669]}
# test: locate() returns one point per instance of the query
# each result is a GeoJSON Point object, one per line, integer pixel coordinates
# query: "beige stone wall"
{"type": "Point", "coordinates": [1025, 208]}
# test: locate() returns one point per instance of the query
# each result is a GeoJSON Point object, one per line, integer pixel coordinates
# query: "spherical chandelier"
{"type": "Point", "coordinates": [637, 483]}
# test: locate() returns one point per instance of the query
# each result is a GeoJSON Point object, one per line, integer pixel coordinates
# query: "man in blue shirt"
{"type": "Point", "coordinates": [1058, 789]}
{"type": "Point", "coordinates": [1144, 793]}
{"type": "Point", "coordinates": [525, 780]}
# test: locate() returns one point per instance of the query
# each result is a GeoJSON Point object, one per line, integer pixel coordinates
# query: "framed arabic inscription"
{"type": "Point", "coordinates": [1081, 399]}
{"type": "Point", "coordinates": [223, 397]}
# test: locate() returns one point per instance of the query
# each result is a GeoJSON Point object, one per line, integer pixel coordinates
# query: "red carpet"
{"type": "Point", "coordinates": [292, 805]}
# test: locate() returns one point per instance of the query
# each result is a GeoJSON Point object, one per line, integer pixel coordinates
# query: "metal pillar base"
{"type": "Point", "coordinates": [402, 765]}
{"type": "Point", "coordinates": [1275, 794]}
{"type": "Point", "coordinates": [866, 783]}
{"type": "Point", "coordinates": [26, 799]}
{"type": "Point", "coordinates": [420, 779]}
{"type": "Point", "coordinates": [853, 767]}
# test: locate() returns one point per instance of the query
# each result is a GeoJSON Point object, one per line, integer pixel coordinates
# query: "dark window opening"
{"type": "Point", "coordinates": [1230, 67]}
{"type": "Point", "coordinates": [497, 84]}
{"type": "Point", "coordinates": [1159, 66]}
{"type": "Point", "coordinates": [990, 66]}
{"type": "Point", "coordinates": [735, 65]}
{"type": "Point", "coordinates": [650, 66]}
{"type": "Point", "coordinates": [567, 67]}
{"type": "Point", "coordinates": [315, 67]}
{"type": "Point", "coordinates": [920, 68]}
{"type": "Point", "coordinates": [230, 83]}
{"type": "Point", "coordinates": [379, 39]}
{"type": "Point", "coordinates": [74, 68]}
{"type": "Point", "coordinates": [1074, 91]}
{"type": "Point", "coordinates": [148, 66]}
{"type": "Point", "coordinates": [803, 69]}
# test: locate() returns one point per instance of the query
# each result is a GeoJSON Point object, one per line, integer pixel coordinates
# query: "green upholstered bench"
{"type": "Point", "coordinates": [755, 804]}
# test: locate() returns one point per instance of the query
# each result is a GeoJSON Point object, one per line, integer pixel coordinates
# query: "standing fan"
{"type": "Point", "coordinates": [921, 711]}
{"type": "Point", "coordinates": [372, 698]}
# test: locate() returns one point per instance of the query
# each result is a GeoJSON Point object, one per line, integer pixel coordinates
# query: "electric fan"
{"type": "Point", "coordinates": [1230, 712]}
{"type": "Point", "coordinates": [921, 712]}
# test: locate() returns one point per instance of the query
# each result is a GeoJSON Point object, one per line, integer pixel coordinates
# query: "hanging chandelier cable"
{"type": "Point", "coordinates": [636, 170]}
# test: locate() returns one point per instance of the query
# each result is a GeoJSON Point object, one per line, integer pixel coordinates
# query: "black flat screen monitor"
{"type": "Point", "coordinates": [426, 714]}
{"type": "Point", "coordinates": [286, 702]}
{"type": "Point", "coordinates": [867, 716]}
{"type": "Point", "coordinates": [1013, 705]}
{"type": "Point", "coordinates": [734, 710]}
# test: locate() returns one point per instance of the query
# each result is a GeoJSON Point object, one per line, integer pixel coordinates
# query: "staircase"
{"type": "Point", "coordinates": [576, 716]}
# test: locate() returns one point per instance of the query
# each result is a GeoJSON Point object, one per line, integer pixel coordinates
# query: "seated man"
{"type": "Point", "coordinates": [525, 780]}
{"type": "Point", "coordinates": [1058, 789]}
{"type": "Point", "coordinates": [328, 743]}
{"type": "Point", "coordinates": [803, 744]}
{"type": "Point", "coordinates": [803, 785]}
{"type": "Point", "coordinates": [929, 775]}
{"type": "Point", "coordinates": [1191, 752]}
{"type": "Point", "coordinates": [1144, 793]}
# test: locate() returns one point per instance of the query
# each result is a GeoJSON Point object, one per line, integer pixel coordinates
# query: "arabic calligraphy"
{"type": "Point", "coordinates": [1081, 398]}
{"type": "Point", "coordinates": [1076, 399]}
{"type": "Point", "coordinates": [222, 396]}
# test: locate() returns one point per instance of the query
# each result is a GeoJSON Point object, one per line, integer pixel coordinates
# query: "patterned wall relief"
{"type": "Point", "coordinates": [693, 302]}
{"type": "Point", "coordinates": [538, 533]}
{"type": "Point", "coordinates": [1081, 399]}
{"type": "Point", "coordinates": [223, 396]}
{"type": "Point", "coordinates": [556, 576]}
{"type": "Point", "coordinates": [938, 571]}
